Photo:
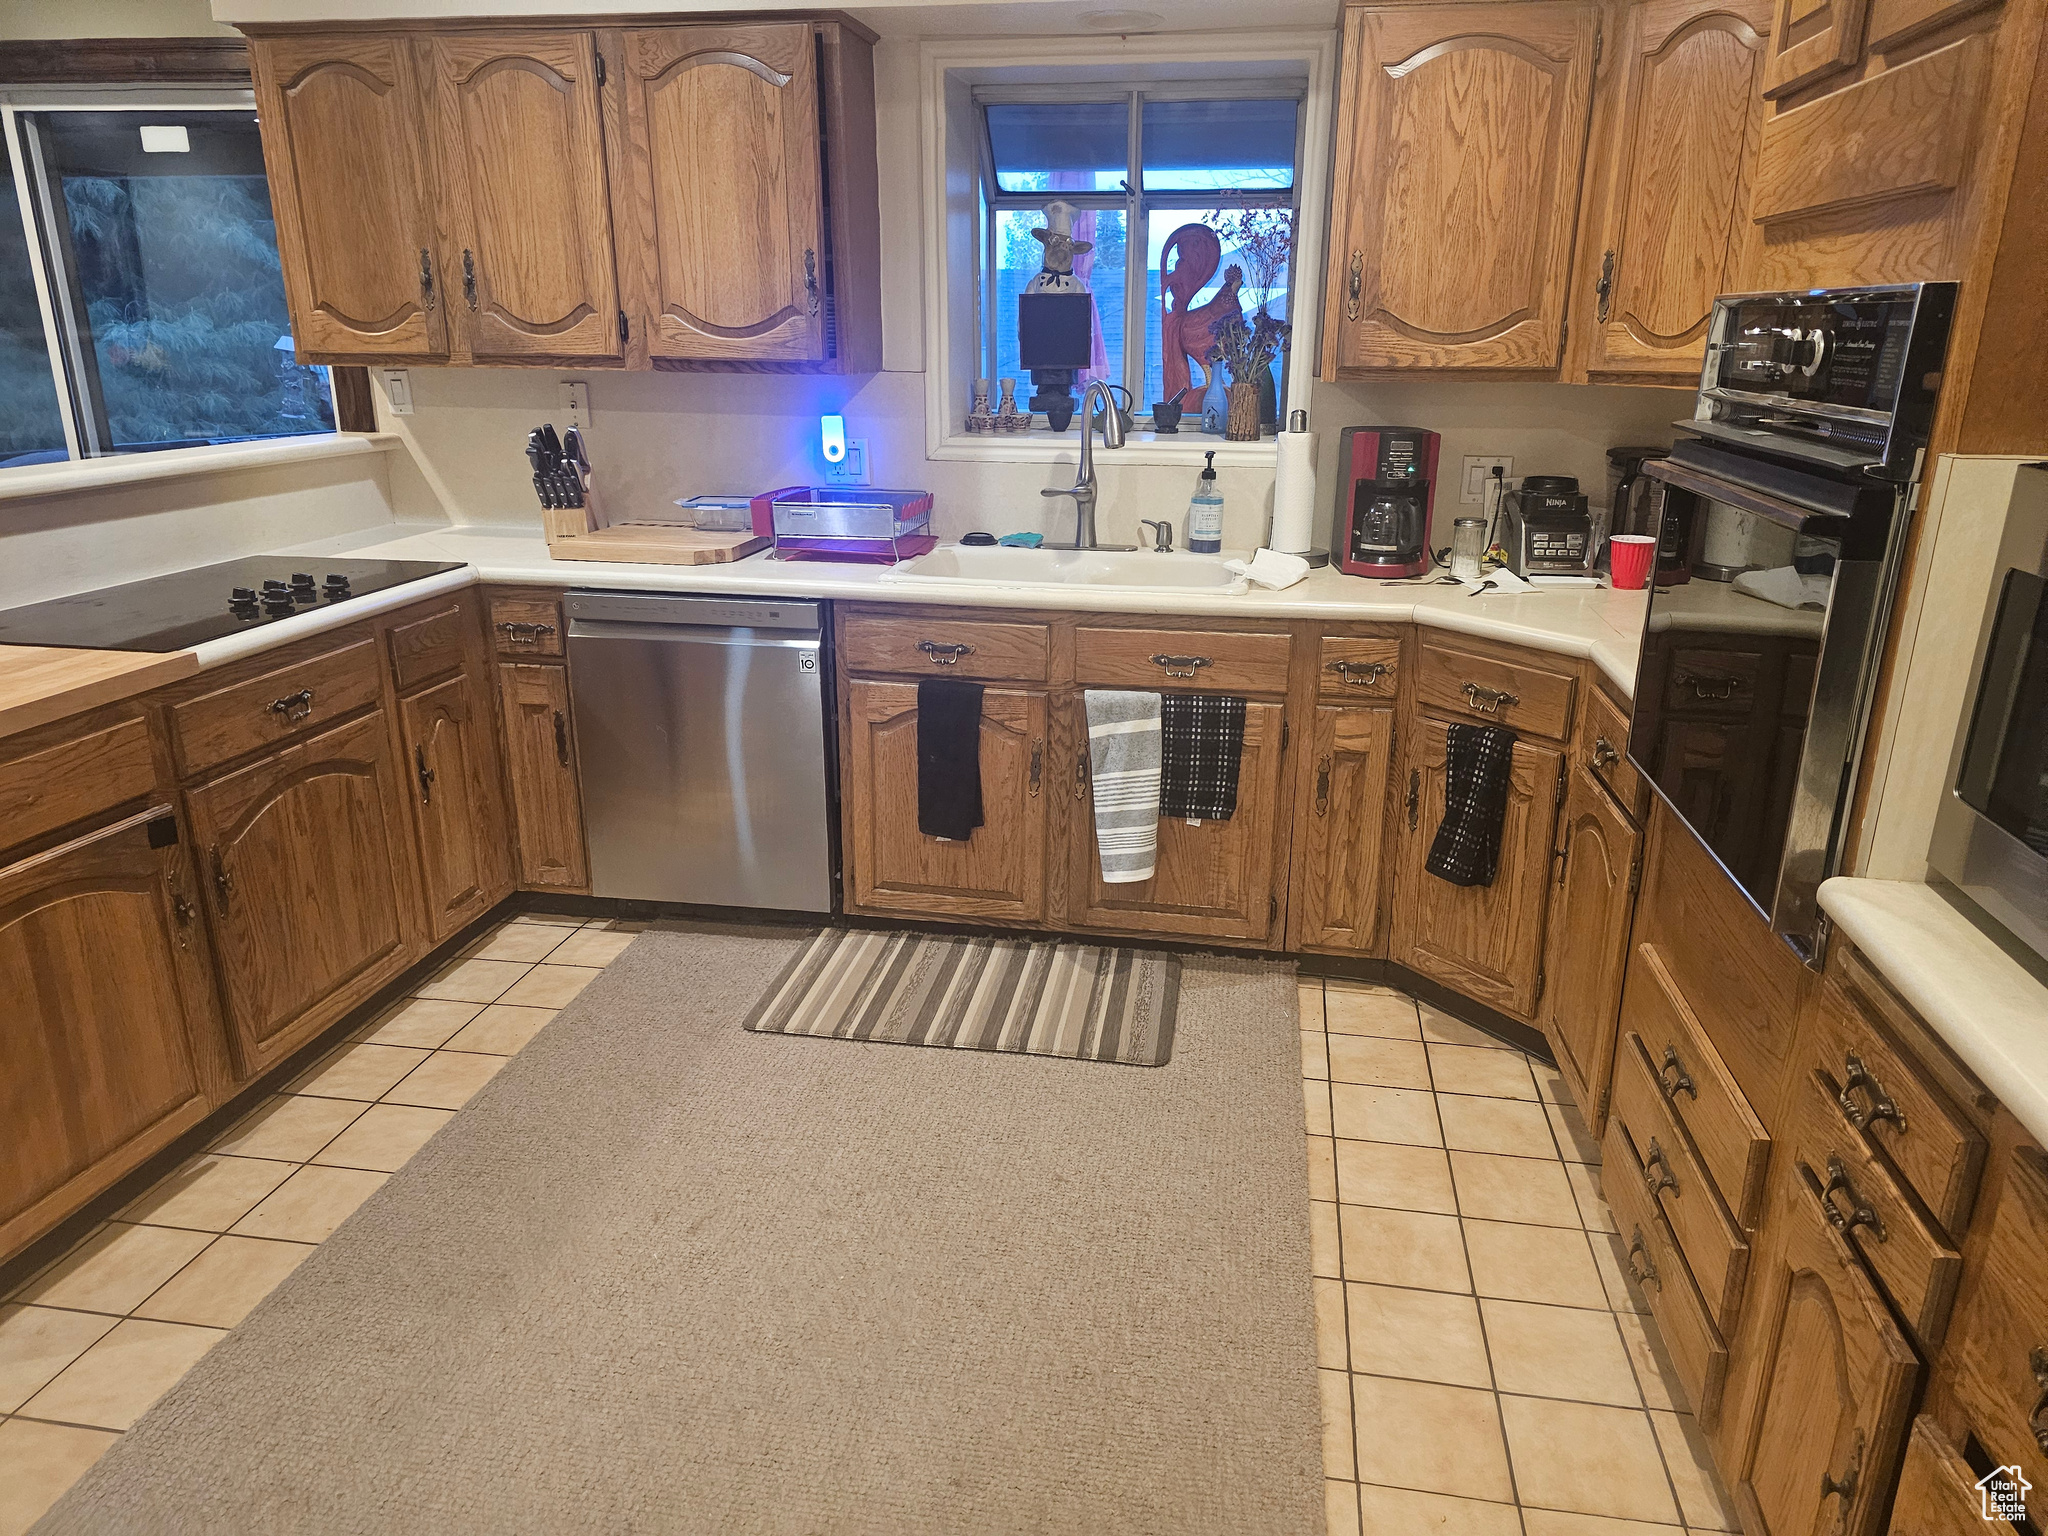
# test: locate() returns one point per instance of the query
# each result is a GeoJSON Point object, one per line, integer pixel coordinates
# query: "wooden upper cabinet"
{"type": "Point", "coordinates": [1810, 40]}
{"type": "Point", "coordinates": [528, 230]}
{"type": "Point", "coordinates": [347, 164]}
{"type": "Point", "coordinates": [724, 193]}
{"type": "Point", "coordinates": [1460, 143]}
{"type": "Point", "coordinates": [1667, 228]}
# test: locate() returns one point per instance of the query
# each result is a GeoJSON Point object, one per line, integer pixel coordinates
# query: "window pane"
{"type": "Point", "coordinates": [31, 430]}
{"type": "Point", "coordinates": [1189, 256]}
{"type": "Point", "coordinates": [1060, 146]}
{"type": "Point", "coordinates": [173, 254]}
{"type": "Point", "coordinates": [1196, 145]}
{"type": "Point", "coordinates": [1018, 260]}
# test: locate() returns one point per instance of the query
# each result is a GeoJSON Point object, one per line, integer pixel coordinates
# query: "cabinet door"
{"type": "Point", "coordinates": [998, 873]}
{"type": "Point", "coordinates": [1677, 159]}
{"type": "Point", "coordinates": [344, 147]}
{"type": "Point", "coordinates": [303, 884]}
{"type": "Point", "coordinates": [451, 750]}
{"type": "Point", "coordinates": [540, 760]}
{"type": "Point", "coordinates": [1484, 941]}
{"type": "Point", "coordinates": [724, 188]}
{"type": "Point", "coordinates": [1587, 950]}
{"type": "Point", "coordinates": [1462, 136]}
{"type": "Point", "coordinates": [1338, 895]}
{"type": "Point", "coordinates": [1212, 879]}
{"type": "Point", "coordinates": [529, 247]}
{"type": "Point", "coordinates": [1810, 40]}
{"type": "Point", "coordinates": [1837, 1380]}
{"type": "Point", "coordinates": [109, 1042]}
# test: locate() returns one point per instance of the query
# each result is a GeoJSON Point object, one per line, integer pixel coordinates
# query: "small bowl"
{"type": "Point", "coordinates": [1166, 415]}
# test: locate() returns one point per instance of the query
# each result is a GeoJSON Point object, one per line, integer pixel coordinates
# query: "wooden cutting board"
{"type": "Point", "coordinates": [40, 683]}
{"type": "Point", "coordinates": [650, 544]}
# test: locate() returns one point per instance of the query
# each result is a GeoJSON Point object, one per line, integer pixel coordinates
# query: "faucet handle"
{"type": "Point", "coordinates": [1162, 534]}
{"type": "Point", "coordinates": [1061, 490]}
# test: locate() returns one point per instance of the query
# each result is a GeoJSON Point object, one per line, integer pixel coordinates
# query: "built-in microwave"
{"type": "Point", "coordinates": [1991, 827]}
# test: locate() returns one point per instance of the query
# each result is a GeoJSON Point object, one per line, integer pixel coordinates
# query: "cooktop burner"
{"type": "Point", "coordinates": [170, 613]}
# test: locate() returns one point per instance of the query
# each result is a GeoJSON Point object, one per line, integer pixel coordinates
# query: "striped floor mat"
{"type": "Point", "coordinates": [1041, 998]}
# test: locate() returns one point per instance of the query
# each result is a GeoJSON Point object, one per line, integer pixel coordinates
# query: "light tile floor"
{"type": "Point", "coordinates": [1486, 1365]}
{"type": "Point", "coordinates": [90, 1342]}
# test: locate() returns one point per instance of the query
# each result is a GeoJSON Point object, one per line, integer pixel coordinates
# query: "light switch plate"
{"type": "Point", "coordinates": [1479, 470]}
{"type": "Point", "coordinates": [851, 470]}
{"type": "Point", "coordinates": [574, 399]}
{"type": "Point", "coordinates": [398, 390]}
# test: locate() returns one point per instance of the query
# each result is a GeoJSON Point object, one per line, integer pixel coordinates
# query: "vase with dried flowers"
{"type": "Point", "coordinates": [1261, 238]}
{"type": "Point", "coordinates": [1247, 348]}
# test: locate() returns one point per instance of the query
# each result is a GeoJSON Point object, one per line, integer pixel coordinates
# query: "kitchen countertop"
{"type": "Point", "coordinates": [41, 683]}
{"type": "Point", "coordinates": [1989, 1009]}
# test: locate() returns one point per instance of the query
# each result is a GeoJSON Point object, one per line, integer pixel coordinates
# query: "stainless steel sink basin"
{"type": "Point", "coordinates": [1141, 570]}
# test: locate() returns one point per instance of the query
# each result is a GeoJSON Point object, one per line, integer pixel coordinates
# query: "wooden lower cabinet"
{"type": "Point", "coordinates": [1337, 896]}
{"type": "Point", "coordinates": [1938, 1494]}
{"type": "Point", "coordinates": [109, 1040]}
{"type": "Point", "coordinates": [1586, 952]}
{"type": "Point", "coordinates": [306, 894]}
{"type": "Point", "coordinates": [999, 873]}
{"type": "Point", "coordinates": [540, 762]}
{"type": "Point", "coordinates": [1483, 940]}
{"type": "Point", "coordinates": [451, 752]}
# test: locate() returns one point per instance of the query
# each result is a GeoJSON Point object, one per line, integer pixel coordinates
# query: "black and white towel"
{"type": "Point", "coordinates": [1477, 764]}
{"type": "Point", "coordinates": [948, 758]}
{"type": "Point", "coordinates": [1123, 772]}
{"type": "Point", "coordinates": [1203, 742]}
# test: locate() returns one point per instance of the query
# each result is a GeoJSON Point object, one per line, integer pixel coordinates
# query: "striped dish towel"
{"type": "Point", "coordinates": [1123, 763]}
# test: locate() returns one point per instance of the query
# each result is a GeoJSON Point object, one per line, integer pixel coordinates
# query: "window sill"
{"type": "Point", "coordinates": [1046, 447]}
{"type": "Point", "coordinates": [36, 480]}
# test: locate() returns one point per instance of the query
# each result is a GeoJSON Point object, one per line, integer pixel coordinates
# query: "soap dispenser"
{"type": "Point", "coordinates": [1205, 512]}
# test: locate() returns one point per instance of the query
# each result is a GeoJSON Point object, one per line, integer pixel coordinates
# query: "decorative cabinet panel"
{"type": "Point", "coordinates": [109, 1040]}
{"type": "Point", "coordinates": [348, 170]}
{"type": "Point", "coordinates": [1811, 39]}
{"type": "Point", "coordinates": [1338, 894]}
{"type": "Point", "coordinates": [1667, 226]}
{"type": "Point", "coordinates": [996, 874]}
{"type": "Point", "coordinates": [540, 761]}
{"type": "Point", "coordinates": [1460, 143]}
{"type": "Point", "coordinates": [1587, 950]}
{"type": "Point", "coordinates": [451, 751]}
{"type": "Point", "coordinates": [528, 220]}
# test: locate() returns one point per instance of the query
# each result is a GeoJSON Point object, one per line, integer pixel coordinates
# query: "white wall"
{"type": "Point", "coordinates": [109, 18]}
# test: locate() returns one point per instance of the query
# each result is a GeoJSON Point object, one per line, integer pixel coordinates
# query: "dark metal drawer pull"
{"type": "Point", "coordinates": [223, 877]}
{"type": "Point", "coordinates": [943, 654]}
{"type": "Point", "coordinates": [426, 774]}
{"type": "Point", "coordinates": [1479, 696]}
{"type": "Point", "coordinates": [181, 910]}
{"type": "Point", "coordinates": [1182, 666]}
{"type": "Point", "coordinates": [1037, 764]}
{"type": "Point", "coordinates": [1646, 1272]}
{"type": "Point", "coordinates": [1323, 785]}
{"type": "Point", "coordinates": [1664, 1178]}
{"type": "Point", "coordinates": [1712, 690]}
{"type": "Point", "coordinates": [562, 738]}
{"type": "Point", "coordinates": [1674, 1079]}
{"type": "Point", "coordinates": [1856, 1075]}
{"type": "Point", "coordinates": [1859, 1213]}
{"type": "Point", "coordinates": [1604, 755]}
{"type": "Point", "coordinates": [1081, 774]}
{"type": "Point", "coordinates": [519, 633]}
{"type": "Point", "coordinates": [1414, 794]}
{"type": "Point", "coordinates": [1851, 1476]}
{"type": "Point", "coordinates": [2037, 1421]}
{"type": "Point", "coordinates": [293, 706]}
{"type": "Point", "coordinates": [1359, 674]}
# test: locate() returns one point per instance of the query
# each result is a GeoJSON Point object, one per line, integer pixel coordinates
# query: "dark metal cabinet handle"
{"type": "Point", "coordinates": [562, 738]}
{"type": "Point", "coordinates": [1604, 755]}
{"type": "Point", "coordinates": [223, 877]}
{"type": "Point", "coordinates": [1414, 795]}
{"type": "Point", "coordinates": [944, 653]}
{"type": "Point", "coordinates": [1037, 764]}
{"type": "Point", "coordinates": [1674, 1079]}
{"type": "Point", "coordinates": [1856, 1075]}
{"type": "Point", "coordinates": [294, 707]}
{"type": "Point", "coordinates": [1646, 1272]}
{"type": "Point", "coordinates": [469, 280]}
{"type": "Point", "coordinates": [1845, 1488]}
{"type": "Point", "coordinates": [2037, 1421]}
{"type": "Point", "coordinates": [1182, 666]}
{"type": "Point", "coordinates": [1858, 1214]}
{"type": "Point", "coordinates": [426, 774]}
{"type": "Point", "coordinates": [811, 283]}
{"type": "Point", "coordinates": [1354, 289]}
{"type": "Point", "coordinates": [1488, 700]}
{"type": "Point", "coordinates": [525, 634]}
{"type": "Point", "coordinates": [181, 911]}
{"type": "Point", "coordinates": [426, 281]}
{"type": "Point", "coordinates": [1713, 690]}
{"type": "Point", "coordinates": [1323, 785]}
{"type": "Point", "coordinates": [1359, 674]}
{"type": "Point", "coordinates": [1081, 773]}
{"type": "Point", "coordinates": [1605, 287]}
{"type": "Point", "coordinates": [1664, 1178]}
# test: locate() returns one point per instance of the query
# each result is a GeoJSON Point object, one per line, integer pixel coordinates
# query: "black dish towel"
{"type": "Point", "coordinates": [948, 758]}
{"type": "Point", "coordinates": [1477, 763]}
{"type": "Point", "coordinates": [1202, 740]}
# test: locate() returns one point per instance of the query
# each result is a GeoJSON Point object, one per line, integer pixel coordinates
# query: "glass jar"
{"type": "Point", "coordinates": [1468, 547]}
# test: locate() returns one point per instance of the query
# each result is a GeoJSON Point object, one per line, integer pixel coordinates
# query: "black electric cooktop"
{"type": "Point", "coordinates": [170, 613]}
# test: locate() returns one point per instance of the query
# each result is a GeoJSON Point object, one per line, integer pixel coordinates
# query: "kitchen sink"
{"type": "Point", "coordinates": [1141, 570]}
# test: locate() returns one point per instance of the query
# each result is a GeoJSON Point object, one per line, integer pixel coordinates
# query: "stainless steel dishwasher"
{"type": "Point", "coordinates": [701, 738]}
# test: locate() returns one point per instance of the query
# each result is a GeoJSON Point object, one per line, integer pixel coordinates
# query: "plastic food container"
{"type": "Point", "coordinates": [719, 514]}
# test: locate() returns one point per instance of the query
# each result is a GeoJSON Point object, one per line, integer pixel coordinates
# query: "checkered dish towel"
{"type": "Point", "coordinates": [1123, 767]}
{"type": "Point", "coordinates": [1477, 763]}
{"type": "Point", "coordinates": [1204, 744]}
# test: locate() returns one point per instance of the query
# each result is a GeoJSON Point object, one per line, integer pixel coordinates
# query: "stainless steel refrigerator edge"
{"type": "Point", "coordinates": [702, 740]}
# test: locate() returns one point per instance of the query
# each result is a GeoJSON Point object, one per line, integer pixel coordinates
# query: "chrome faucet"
{"type": "Point", "coordinates": [1083, 489]}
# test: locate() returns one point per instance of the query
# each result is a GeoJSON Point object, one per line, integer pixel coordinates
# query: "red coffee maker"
{"type": "Point", "coordinates": [1386, 484]}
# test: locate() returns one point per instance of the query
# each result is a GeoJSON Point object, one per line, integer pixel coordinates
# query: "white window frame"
{"type": "Point", "coordinates": [956, 222]}
{"type": "Point", "coordinates": [58, 339]}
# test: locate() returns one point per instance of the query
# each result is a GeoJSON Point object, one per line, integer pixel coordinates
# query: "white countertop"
{"type": "Point", "coordinates": [1990, 1010]}
{"type": "Point", "coordinates": [1578, 621]}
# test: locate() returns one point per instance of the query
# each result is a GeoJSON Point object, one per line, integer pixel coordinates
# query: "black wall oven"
{"type": "Point", "coordinates": [1782, 519]}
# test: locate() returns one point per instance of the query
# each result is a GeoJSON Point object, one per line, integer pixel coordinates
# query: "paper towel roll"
{"type": "Point", "coordinates": [1294, 493]}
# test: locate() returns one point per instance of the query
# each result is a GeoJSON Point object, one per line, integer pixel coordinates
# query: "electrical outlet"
{"type": "Point", "coordinates": [1479, 470]}
{"type": "Point", "coordinates": [851, 470]}
{"type": "Point", "coordinates": [398, 391]}
{"type": "Point", "coordinates": [574, 399]}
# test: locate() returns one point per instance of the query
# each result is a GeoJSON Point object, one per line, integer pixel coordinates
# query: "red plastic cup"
{"type": "Point", "coordinates": [1629, 556]}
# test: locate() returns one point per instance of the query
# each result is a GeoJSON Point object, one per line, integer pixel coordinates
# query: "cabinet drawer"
{"type": "Point", "coordinates": [1475, 686]}
{"type": "Point", "coordinates": [73, 780]}
{"type": "Point", "coordinates": [1203, 660]}
{"type": "Point", "coordinates": [526, 626]}
{"type": "Point", "coordinates": [1705, 682]}
{"type": "Point", "coordinates": [1696, 1083]}
{"type": "Point", "coordinates": [1938, 1493]}
{"type": "Point", "coordinates": [1697, 1348]}
{"type": "Point", "coordinates": [277, 706]}
{"type": "Point", "coordinates": [1603, 745]}
{"type": "Point", "coordinates": [1939, 1153]}
{"type": "Point", "coordinates": [969, 648]}
{"type": "Point", "coordinates": [1358, 669]}
{"type": "Point", "coordinates": [1713, 1246]}
{"type": "Point", "coordinates": [1998, 1342]}
{"type": "Point", "coordinates": [428, 648]}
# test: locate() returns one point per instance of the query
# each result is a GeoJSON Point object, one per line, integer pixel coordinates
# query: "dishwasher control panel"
{"type": "Point", "coordinates": [687, 608]}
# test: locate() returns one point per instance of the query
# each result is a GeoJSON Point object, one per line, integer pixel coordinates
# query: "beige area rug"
{"type": "Point", "coordinates": [1039, 997]}
{"type": "Point", "coordinates": [666, 1275]}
